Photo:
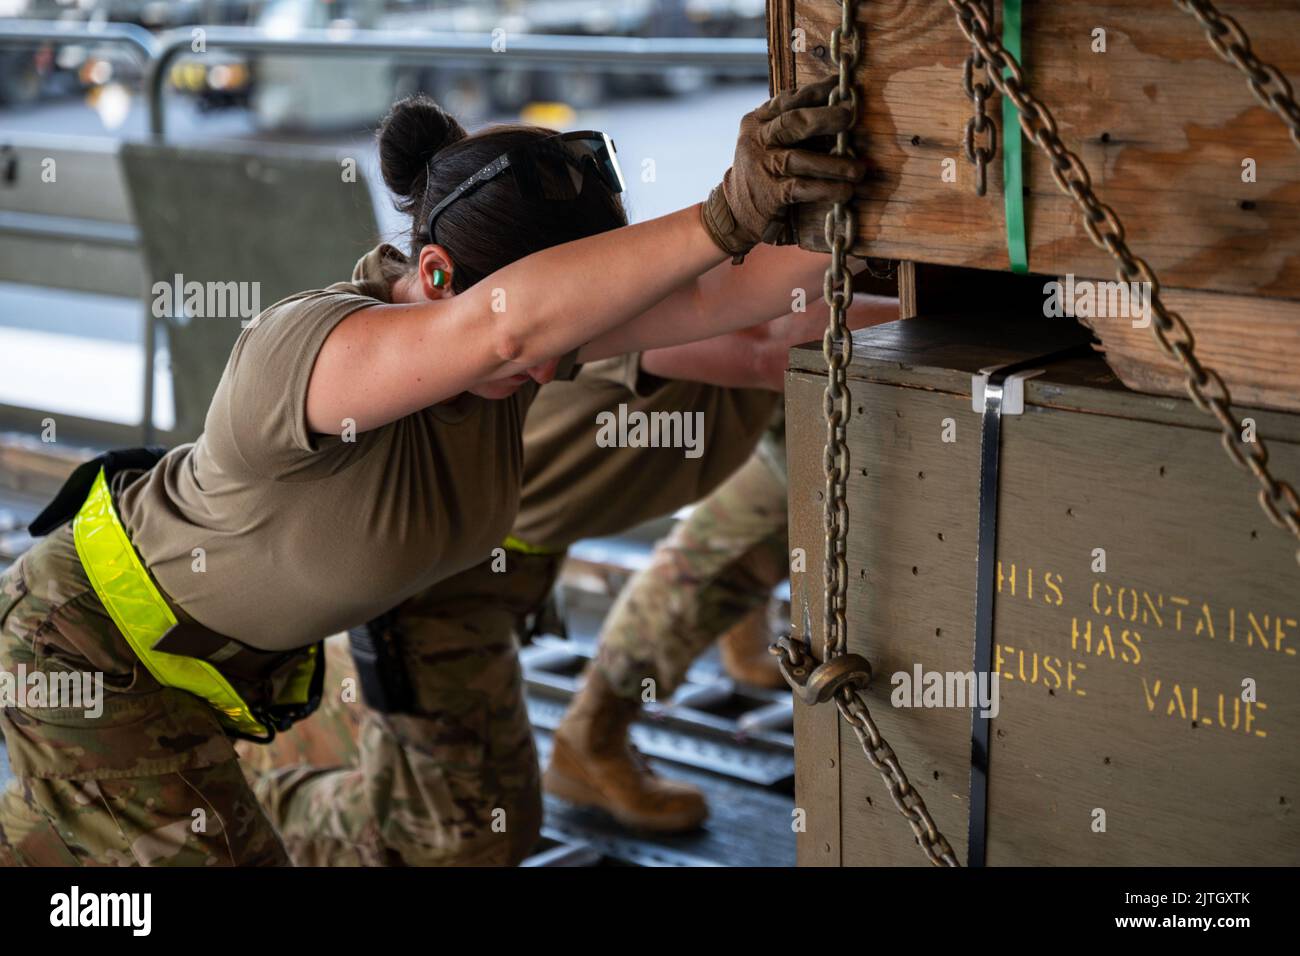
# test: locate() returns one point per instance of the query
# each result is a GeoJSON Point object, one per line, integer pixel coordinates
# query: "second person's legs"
{"type": "Point", "coordinates": [714, 570]}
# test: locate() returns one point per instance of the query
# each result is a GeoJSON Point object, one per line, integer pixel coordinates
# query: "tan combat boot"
{"type": "Point", "coordinates": [593, 764]}
{"type": "Point", "coordinates": [744, 653]}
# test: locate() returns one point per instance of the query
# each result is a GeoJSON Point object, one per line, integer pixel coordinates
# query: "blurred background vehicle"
{"type": "Point", "coordinates": [290, 92]}
{"type": "Point", "coordinates": [225, 79]}
{"type": "Point", "coordinates": [29, 74]}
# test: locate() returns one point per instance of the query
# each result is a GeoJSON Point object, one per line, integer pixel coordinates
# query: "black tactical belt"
{"type": "Point", "coordinates": [72, 495]}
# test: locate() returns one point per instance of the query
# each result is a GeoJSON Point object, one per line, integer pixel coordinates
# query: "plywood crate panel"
{"type": "Point", "coordinates": [1163, 124]}
{"type": "Point", "coordinates": [1120, 691]}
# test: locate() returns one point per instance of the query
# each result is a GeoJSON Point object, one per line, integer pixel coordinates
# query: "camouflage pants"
{"type": "Point", "coordinates": [456, 782]}
{"type": "Point", "coordinates": [717, 567]}
{"type": "Point", "coordinates": [152, 779]}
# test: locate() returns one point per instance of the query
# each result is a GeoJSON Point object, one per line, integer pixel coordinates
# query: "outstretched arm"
{"type": "Point", "coordinates": [383, 362]}
{"type": "Point", "coordinates": [387, 361]}
{"type": "Point", "coordinates": [757, 357]}
{"type": "Point", "coordinates": [768, 284]}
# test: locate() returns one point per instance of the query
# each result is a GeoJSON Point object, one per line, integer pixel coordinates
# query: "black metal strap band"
{"type": "Point", "coordinates": [985, 567]}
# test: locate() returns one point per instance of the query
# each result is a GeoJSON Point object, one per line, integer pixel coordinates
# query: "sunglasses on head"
{"type": "Point", "coordinates": [555, 167]}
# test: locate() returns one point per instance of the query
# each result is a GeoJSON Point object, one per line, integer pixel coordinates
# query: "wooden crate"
{"type": "Point", "coordinates": [1164, 126]}
{"type": "Point", "coordinates": [1119, 706]}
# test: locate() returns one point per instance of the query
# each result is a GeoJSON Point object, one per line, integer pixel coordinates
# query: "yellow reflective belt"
{"type": "Point", "coordinates": [523, 547]}
{"type": "Point", "coordinates": [141, 613]}
{"type": "Point", "coordinates": [298, 689]}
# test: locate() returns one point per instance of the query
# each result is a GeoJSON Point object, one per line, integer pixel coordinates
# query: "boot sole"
{"type": "Point", "coordinates": [582, 794]}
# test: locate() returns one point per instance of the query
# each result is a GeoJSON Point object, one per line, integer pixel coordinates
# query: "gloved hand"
{"type": "Point", "coordinates": [767, 175]}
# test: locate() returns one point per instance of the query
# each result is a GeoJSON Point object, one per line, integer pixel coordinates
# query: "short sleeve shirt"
{"type": "Point", "coordinates": [278, 537]}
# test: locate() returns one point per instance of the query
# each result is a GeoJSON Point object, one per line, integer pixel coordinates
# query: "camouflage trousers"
{"type": "Point", "coordinates": [716, 568]}
{"type": "Point", "coordinates": [455, 782]}
{"type": "Point", "coordinates": [151, 778]}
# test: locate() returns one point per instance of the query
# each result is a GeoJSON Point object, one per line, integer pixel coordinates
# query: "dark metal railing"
{"type": "Point", "coordinates": [616, 54]}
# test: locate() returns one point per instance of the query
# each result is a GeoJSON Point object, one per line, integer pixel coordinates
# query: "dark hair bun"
{"type": "Point", "coordinates": [414, 130]}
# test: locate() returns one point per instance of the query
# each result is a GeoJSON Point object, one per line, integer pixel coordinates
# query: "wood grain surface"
{"type": "Point", "coordinates": [1164, 127]}
{"type": "Point", "coordinates": [1162, 123]}
{"type": "Point", "coordinates": [1253, 342]}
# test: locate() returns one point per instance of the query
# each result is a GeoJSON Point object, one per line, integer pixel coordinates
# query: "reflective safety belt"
{"type": "Point", "coordinates": [143, 616]}
{"type": "Point", "coordinates": [512, 543]}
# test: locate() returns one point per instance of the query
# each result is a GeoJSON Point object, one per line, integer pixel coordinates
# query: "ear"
{"type": "Point", "coordinates": [435, 270]}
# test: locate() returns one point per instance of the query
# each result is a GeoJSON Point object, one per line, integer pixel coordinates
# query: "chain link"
{"type": "Point", "coordinates": [837, 347]}
{"type": "Point", "coordinates": [979, 124]}
{"type": "Point", "coordinates": [1207, 389]}
{"type": "Point", "coordinates": [849, 671]}
{"type": "Point", "coordinates": [853, 708]}
{"type": "Point", "coordinates": [1266, 81]}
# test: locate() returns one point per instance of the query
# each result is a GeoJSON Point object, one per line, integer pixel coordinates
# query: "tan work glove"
{"type": "Point", "coordinates": [767, 175]}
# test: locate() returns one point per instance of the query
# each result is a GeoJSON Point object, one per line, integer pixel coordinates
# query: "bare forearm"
{"type": "Point", "coordinates": [545, 305]}
{"type": "Point", "coordinates": [772, 357]}
{"type": "Point", "coordinates": [384, 362]}
{"type": "Point", "coordinates": [866, 310]}
{"type": "Point", "coordinates": [727, 361]}
{"type": "Point", "coordinates": [770, 282]}
{"type": "Point", "coordinates": [757, 357]}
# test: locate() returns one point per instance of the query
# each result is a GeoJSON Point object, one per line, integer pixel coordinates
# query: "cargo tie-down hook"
{"type": "Point", "coordinates": [816, 683]}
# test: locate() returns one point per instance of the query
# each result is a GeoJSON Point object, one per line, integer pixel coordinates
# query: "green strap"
{"type": "Point", "coordinates": [1013, 170]}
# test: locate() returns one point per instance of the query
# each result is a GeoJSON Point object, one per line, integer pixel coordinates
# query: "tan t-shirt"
{"type": "Point", "coordinates": [586, 476]}
{"type": "Point", "coordinates": [302, 535]}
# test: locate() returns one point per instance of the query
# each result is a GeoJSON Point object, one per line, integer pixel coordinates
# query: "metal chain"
{"type": "Point", "coordinates": [979, 123]}
{"type": "Point", "coordinates": [840, 675]}
{"type": "Point", "coordinates": [1206, 387]}
{"type": "Point", "coordinates": [853, 708]}
{"type": "Point", "coordinates": [842, 678]}
{"type": "Point", "coordinates": [1266, 81]}
{"type": "Point", "coordinates": [837, 347]}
